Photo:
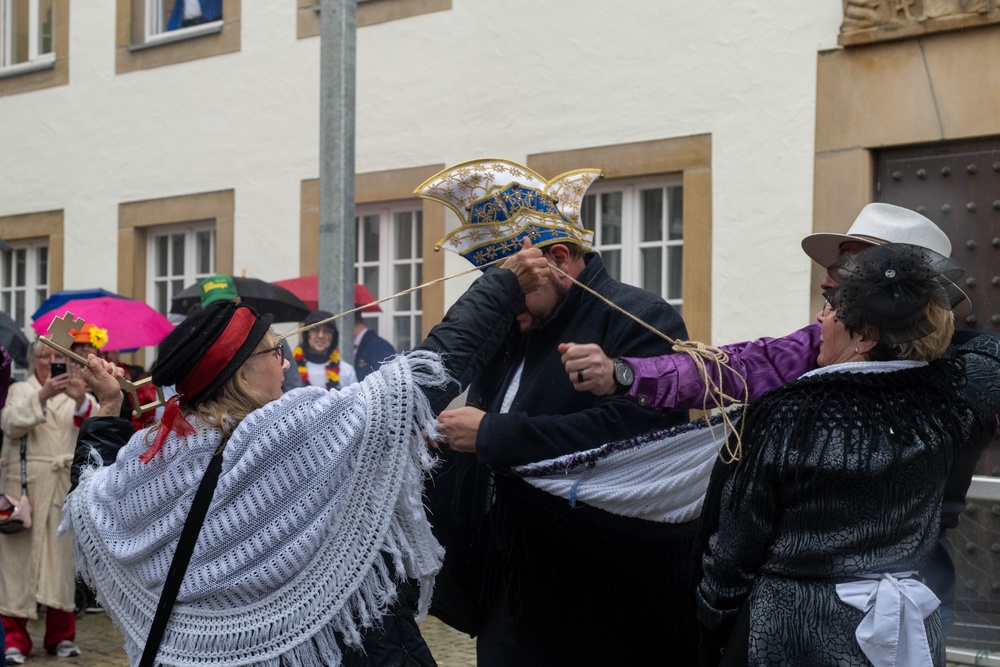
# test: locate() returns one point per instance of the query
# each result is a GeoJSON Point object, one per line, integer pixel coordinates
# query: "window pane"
{"type": "Point", "coordinates": [418, 326]}
{"type": "Point", "coordinates": [45, 26]}
{"type": "Point", "coordinates": [418, 280]}
{"type": "Point", "coordinates": [675, 271]}
{"type": "Point", "coordinates": [404, 235]}
{"type": "Point", "coordinates": [6, 302]}
{"type": "Point", "coordinates": [19, 308]}
{"type": "Point", "coordinates": [177, 254]}
{"type": "Point", "coordinates": [651, 202]}
{"type": "Point", "coordinates": [370, 232]}
{"type": "Point", "coordinates": [401, 327]}
{"type": "Point", "coordinates": [588, 212]}
{"type": "Point", "coordinates": [203, 245]}
{"type": "Point", "coordinates": [403, 282]}
{"type": "Point", "coordinates": [652, 269]}
{"type": "Point", "coordinates": [419, 233]}
{"type": "Point", "coordinates": [40, 296]}
{"type": "Point", "coordinates": [369, 278]}
{"type": "Point", "coordinates": [8, 271]}
{"type": "Point", "coordinates": [42, 275]}
{"type": "Point", "coordinates": [611, 218]}
{"type": "Point", "coordinates": [161, 297]}
{"type": "Point", "coordinates": [160, 263]}
{"type": "Point", "coordinates": [676, 226]}
{"type": "Point", "coordinates": [21, 267]}
{"type": "Point", "coordinates": [18, 31]}
{"type": "Point", "coordinates": [613, 262]}
{"type": "Point", "coordinates": [176, 286]}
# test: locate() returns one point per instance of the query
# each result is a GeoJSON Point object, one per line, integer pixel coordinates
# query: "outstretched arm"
{"type": "Point", "coordinates": [675, 382]}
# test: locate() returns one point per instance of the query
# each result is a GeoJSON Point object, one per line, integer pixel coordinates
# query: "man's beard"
{"type": "Point", "coordinates": [538, 322]}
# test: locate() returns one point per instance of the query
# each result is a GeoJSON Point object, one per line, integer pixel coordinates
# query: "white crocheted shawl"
{"type": "Point", "coordinates": [313, 487]}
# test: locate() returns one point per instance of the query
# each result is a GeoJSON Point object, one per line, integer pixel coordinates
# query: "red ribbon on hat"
{"type": "Point", "coordinates": [172, 420]}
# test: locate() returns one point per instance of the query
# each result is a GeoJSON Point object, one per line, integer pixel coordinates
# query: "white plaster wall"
{"type": "Point", "coordinates": [505, 78]}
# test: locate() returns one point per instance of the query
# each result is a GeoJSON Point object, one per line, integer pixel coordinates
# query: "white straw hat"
{"type": "Point", "coordinates": [878, 224]}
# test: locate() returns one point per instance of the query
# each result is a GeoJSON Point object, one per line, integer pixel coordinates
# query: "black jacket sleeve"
{"type": "Point", "coordinates": [472, 329]}
{"type": "Point", "coordinates": [102, 436]}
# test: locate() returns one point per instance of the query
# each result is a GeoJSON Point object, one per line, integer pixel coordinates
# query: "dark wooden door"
{"type": "Point", "coordinates": [957, 185]}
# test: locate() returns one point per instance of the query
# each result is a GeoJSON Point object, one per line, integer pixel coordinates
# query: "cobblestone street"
{"type": "Point", "coordinates": [101, 644]}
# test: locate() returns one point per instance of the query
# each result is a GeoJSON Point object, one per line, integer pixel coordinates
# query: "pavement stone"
{"type": "Point", "coordinates": [101, 644]}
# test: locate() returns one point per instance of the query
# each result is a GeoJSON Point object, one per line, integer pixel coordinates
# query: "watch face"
{"type": "Point", "coordinates": [624, 374]}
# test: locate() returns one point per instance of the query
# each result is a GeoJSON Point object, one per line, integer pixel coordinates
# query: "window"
{"type": "Point", "coordinates": [639, 230]}
{"type": "Point", "coordinates": [156, 33]}
{"type": "Point", "coordinates": [179, 255]}
{"type": "Point", "coordinates": [26, 35]}
{"type": "Point", "coordinates": [388, 261]}
{"type": "Point", "coordinates": [24, 279]}
{"type": "Point", "coordinates": [174, 19]}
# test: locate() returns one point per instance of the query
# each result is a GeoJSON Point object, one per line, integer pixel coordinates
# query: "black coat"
{"type": "Point", "coordinates": [580, 586]}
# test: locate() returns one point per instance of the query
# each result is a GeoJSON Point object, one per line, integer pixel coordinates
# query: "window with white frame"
{"type": "Point", "coordinates": [389, 260]}
{"type": "Point", "coordinates": [638, 228]}
{"type": "Point", "coordinates": [167, 20]}
{"type": "Point", "coordinates": [179, 256]}
{"type": "Point", "coordinates": [24, 279]}
{"type": "Point", "coordinates": [26, 34]}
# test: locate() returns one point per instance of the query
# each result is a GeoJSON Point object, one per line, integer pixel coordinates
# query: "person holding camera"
{"type": "Point", "coordinates": [46, 410]}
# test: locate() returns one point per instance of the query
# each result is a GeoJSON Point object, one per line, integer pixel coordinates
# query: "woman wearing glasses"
{"type": "Point", "coordinates": [317, 511]}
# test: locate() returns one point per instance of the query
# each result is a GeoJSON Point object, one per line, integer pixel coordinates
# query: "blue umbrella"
{"type": "Point", "coordinates": [60, 298]}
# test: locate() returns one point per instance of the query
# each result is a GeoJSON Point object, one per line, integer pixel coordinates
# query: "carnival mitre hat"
{"type": "Point", "coordinates": [501, 202]}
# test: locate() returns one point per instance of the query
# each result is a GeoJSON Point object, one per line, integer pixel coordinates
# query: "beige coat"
{"type": "Point", "coordinates": [37, 566]}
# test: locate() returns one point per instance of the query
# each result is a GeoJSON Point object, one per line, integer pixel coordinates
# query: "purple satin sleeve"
{"type": "Point", "coordinates": [673, 382]}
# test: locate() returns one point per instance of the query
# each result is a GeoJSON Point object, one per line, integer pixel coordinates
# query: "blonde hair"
{"type": "Point", "coordinates": [931, 346]}
{"type": "Point", "coordinates": [235, 400]}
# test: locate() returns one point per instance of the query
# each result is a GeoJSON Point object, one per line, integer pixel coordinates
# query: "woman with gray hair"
{"type": "Point", "coordinates": [834, 507]}
{"type": "Point", "coordinates": [45, 411]}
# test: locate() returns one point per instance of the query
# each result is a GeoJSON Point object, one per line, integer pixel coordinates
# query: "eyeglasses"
{"type": "Point", "coordinates": [827, 309]}
{"type": "Point", "coordinates": [278, 349]}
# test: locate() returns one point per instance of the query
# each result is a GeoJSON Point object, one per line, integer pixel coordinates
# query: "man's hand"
{"type": "Point", "coordinates": [530, 266]}
{"type": "Point", "coordinates": [589, 368]}
{"type": "Point", "coordinates": [459, 428]}
{"type": "Point", "coordinates": [102, 378]}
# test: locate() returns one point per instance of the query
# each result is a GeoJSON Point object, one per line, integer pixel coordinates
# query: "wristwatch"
{"type": "Point", "coordinates": [624, 375]}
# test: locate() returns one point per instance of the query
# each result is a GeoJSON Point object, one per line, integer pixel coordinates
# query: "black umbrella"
{"type": "Point", "coordinates": [262, 296]}
{"type": "Point", "coordinates": [12, 338]}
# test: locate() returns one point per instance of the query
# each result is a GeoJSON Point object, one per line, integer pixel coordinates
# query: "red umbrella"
{"type": "Point", "coordinates": [307, 289]}
{"type": "Point", "coordinates": [130, 324]}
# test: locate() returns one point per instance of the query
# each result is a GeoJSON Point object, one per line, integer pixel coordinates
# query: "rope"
{"type": "Point", "coordinates": [700, 353]}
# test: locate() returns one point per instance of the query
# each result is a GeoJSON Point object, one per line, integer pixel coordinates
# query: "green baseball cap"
{"type": "Point", "coordinates": [215, 288]}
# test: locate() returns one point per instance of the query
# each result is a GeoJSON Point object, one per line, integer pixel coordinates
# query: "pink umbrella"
{"type": "Point", "coordinates": [130, 324]}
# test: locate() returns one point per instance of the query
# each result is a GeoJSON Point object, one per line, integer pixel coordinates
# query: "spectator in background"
{"type": "Point", "coordinates": [317, 358]}
{"type": "Point", "coordinates": [187, 13]}
{"type": "Point", "coordinates": [220, 287]}
{"type": "Point", "coordinates": [47, 410]}
{"type": "Point", "coordinates": [370, 349]}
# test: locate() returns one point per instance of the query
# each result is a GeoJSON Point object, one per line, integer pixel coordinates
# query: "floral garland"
{"type": "Point", "coordinates": [332, 367]}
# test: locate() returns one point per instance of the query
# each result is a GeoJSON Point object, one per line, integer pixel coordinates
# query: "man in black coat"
{"type": "Point", "coordinates": [541, 582]}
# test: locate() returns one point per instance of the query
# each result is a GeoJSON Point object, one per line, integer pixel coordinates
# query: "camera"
{"type": "Point", "coordinates": [58, 368]}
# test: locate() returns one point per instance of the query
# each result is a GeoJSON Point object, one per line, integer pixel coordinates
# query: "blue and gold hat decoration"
{"type": "Point", "coordinates": [500, 202]}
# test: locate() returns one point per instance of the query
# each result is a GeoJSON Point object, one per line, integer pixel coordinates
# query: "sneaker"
{"type": "Point", "coordinates": [67, 649]}
{"type": "Point", "coordinates": [14, 656]}
{"type": "Point", "coordinates": [94, 608]}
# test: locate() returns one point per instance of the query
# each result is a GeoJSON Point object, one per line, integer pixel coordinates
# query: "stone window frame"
{"type": "Point", "coordinates": [384, 187]}
{"type": "Point", "coordinates": [133, 54]}
{"type": "Point", "coordinates": [51, 74]}
{"type": "Point", "coordinates": [689, 156]}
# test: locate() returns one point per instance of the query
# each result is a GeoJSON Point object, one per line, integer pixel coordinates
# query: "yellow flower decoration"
{"type": "Point", "coordinates": [98, 337]}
